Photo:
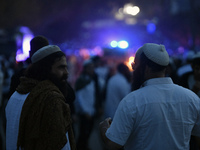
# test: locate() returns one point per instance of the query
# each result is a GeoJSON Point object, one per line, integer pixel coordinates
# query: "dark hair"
{"type": "Point", "coordinates": [37, 42]}
{"type": "Point", "coordinates": [41, 69]}
{"type": "Point", "coordinates": [155, 67]}
{"type": "Point", "coordinates": [195, 62]}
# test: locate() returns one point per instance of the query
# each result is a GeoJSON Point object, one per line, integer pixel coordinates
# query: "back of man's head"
{"type": "Point", "coordinates": [155, 56]}
{"type": "Point", "coordinates": [36, 43]}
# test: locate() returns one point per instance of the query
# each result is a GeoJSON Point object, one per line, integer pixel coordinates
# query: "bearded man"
{"type": "Point", "coordinates": [37, 114]}
{"type": "Point", "coordinates": [158, 114]}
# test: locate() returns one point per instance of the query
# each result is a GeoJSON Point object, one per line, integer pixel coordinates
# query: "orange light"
{"type": "Point", "coordinates": [128, 63]}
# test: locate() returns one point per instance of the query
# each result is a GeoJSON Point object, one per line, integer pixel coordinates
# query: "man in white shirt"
{"type": "Point", "coordinates": [119, 86]}
{"type": "Point", "coordinates": [158, 114]}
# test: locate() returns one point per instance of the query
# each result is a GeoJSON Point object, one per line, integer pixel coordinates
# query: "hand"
{"type": "Point", "coordinates": [105, 124]}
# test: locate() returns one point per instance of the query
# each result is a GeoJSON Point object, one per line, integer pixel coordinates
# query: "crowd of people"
{"type": "Point", "coordinates": [155, 105]}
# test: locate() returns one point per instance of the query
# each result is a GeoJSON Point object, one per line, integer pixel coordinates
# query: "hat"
{"type": "Point", "coordinates": [43, 52]}
{"type": "Point", "coordinates": [156, 53]}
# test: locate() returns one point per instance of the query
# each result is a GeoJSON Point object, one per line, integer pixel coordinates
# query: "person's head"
{"type": "Point", "coordinates": [124, 70]}
{"type": "Point", "coordinates": [49, 63]}
{"type": "Point", "coordinates": [88, 67]}
{"type": "Point", "coordinates": [196, 66]}
{"type": "Point", "coordinates": [150, 62]}
{"type": "Point", "coordinates": [96, 60]}
{"type": "Point", "coordinates": [36, 43]}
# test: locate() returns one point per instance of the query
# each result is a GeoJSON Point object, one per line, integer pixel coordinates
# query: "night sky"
{"type": "Point", "coordinates": [64, 20]}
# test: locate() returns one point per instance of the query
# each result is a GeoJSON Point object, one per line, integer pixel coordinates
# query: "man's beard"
{"type": "Point", "coordinates": [138, 78]}
{"type": "Point", "coordinates": [64, 87]}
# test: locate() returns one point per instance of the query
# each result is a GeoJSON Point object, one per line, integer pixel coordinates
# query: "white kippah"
{"type": "Point", "coordinates": [156, 53]}
{"type": "Point", "coordinates": [43, 52]}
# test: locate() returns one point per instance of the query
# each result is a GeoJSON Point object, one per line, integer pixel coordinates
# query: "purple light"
{"type": "Point", "coordinates": [26, 44]}
{"type": "Point", "coordinates": [23, 51]}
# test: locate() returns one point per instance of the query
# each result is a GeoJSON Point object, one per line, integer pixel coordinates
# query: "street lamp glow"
{"type": "Point", "coordinates": [113, 44]}
{"type": "Point", "coordinates": [131, 10]}
{"type": "Point", "coordinates": [122, 44]}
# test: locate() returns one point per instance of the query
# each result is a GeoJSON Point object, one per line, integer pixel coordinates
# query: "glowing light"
{"type": "Point", "coordinates": [130, 21]}
{"type": "Point", "coordinates": [23, 44]}
{"type": "Point", "coordinates": [26, 44]}
{"type": "Point", "coordinates": [25, 48]}
{"type": "Point", "coordinates": [131, 10]}
{"type": "Point", "coordinates": [181, 50]}
{"type": "Point", "coordinates": [131, 59]}
{"type": "Point", "coordinates": [151, 27]}
{"type": "Point", "coordinates": [21, 57]}
{"type": "Point", "coordinates": [113, 44]}
{"type": "Point", "coordinates": [84, 53]}
{"type": "Point", "coordinates": [98, 51]}
{"type": "Point", "coordinates": [119, 16]}
{"type": "Point", "coordinates": [123, 44]}
{"type": "Point", "coordinates": [128, 63]}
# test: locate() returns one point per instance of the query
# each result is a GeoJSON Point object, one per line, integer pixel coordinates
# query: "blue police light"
{"type": "Point", "coordinates": [113, 44]}
{"type": "Point", "coordinates": [151, 27]}
{"type": "Point", "coordinates": [123, 44]}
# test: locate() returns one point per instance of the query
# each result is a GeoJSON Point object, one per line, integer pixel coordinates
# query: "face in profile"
{"type": "Point", "coordinates": [59, 74]}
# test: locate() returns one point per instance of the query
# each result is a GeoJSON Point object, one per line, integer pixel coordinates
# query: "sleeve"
{"type": "Point", "coordinates": [122, 124]}
{"type": "Point", "coordinates": [196, 128]}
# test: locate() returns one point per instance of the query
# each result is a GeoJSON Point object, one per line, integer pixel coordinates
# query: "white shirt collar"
{"type": "Point", "coordinates": [153, 81]}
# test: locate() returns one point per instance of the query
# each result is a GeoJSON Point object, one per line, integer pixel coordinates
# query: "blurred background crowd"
{"type": "Point", "coordinates": [105, 31]}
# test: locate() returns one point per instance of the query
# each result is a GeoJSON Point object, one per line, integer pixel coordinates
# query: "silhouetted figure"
{"type": "Point", "coordinates": [36, 43]}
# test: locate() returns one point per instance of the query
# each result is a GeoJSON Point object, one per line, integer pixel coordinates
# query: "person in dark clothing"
{"type": "Point", "coordinates": [37, 113]}
{"type": "Point", "coordinates": [36, 43]}
{"type": "Point", "coordinates": [86, 102]}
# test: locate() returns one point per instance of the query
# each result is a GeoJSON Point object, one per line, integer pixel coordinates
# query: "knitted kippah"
{"type": "Point", "coordinates": [156, 53]}
{"type": "Point", "coordinates": [43, 52]}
